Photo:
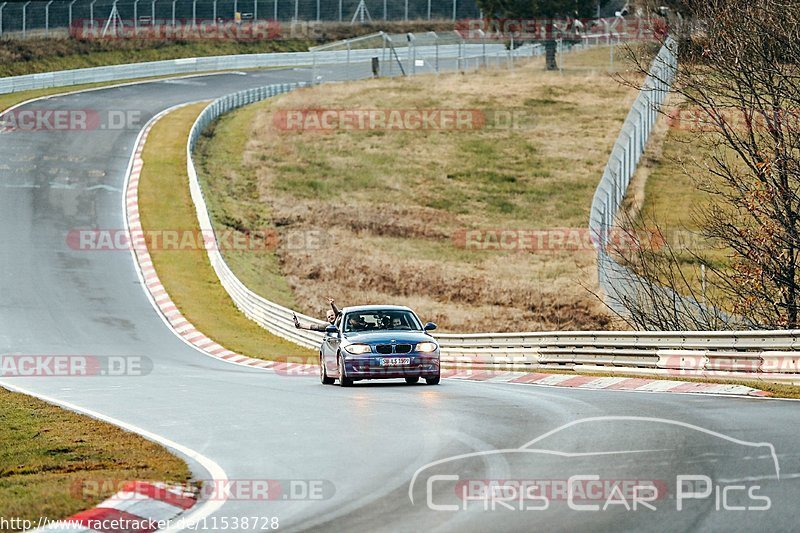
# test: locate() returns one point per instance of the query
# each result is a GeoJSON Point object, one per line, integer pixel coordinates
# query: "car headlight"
{"type": "Point", "coordinates": [426, 347]}
{"type": "Point", "coordinates": [358, 349]}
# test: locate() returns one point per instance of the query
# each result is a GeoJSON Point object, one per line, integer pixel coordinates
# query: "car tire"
{"type": "Point", "coordinates": [413, 380]}
{"type": "Point", "coordinates": [344, 381]}
{"type": "Point", "coordinates": [433, 381]}
{"type": "Point", "coordinates": [323, 373]}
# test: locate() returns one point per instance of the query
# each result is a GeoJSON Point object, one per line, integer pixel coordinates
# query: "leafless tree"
{"type": "Point", "coordinates": [738, 78]}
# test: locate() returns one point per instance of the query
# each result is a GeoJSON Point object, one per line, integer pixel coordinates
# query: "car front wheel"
{"type": "Point", "coordinates": [323, 373]}
{"type": "Point", "coordinates": [433, 381]}
{"type": "Point", "coordinates": [344, 381]}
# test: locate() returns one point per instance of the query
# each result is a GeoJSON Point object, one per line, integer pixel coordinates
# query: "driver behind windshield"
{"type": "Point", "coordinates": [356, 323]}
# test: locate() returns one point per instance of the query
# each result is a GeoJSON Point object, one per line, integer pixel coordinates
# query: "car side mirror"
{"type": "Point", "coordinates": [331, 330]}
{"type": "Point", "coordinates": [430, 326]}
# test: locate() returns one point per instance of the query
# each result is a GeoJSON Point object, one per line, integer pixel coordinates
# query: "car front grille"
{"type": "Point", "coordinates": [392, 348]}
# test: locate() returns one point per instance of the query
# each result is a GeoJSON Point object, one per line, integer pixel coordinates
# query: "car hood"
{"type": "Point", "coordinates": [386, 337]}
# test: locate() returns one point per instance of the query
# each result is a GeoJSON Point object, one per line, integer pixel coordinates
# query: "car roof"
{"type": "Point", "coordinates": [358, 308]}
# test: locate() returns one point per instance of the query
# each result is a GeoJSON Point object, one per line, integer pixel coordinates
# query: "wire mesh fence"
{"type": "Point", "coordinates": [56, 17]}
{"type": "Point", "coordinates": [410, 54]}
{"type": "Point", "coordinates": [627, 293]}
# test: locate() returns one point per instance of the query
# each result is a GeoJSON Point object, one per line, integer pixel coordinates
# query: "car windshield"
{"type": "Point", "coordinates": [381, 319]}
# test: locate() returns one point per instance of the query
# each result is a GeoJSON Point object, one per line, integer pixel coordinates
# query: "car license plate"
{"type": "Point", "coordinates": [395, 361]}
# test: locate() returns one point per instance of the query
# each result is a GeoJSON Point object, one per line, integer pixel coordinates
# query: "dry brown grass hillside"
{"type": "Point", "coordinates": [392, 203]}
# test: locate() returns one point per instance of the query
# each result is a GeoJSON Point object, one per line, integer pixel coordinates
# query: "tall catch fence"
{"type": "Point", "coordinates": [41, 18]}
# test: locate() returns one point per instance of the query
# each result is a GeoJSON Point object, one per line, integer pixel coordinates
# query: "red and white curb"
{"type": "Point", "coordinates": [138, 506]}
{"type": "Point", "coordinates": [608, 383]}
{"type": "Point", "coordinates": [161, 298]}
{"type": "Point", "coordinates": [192, 336]}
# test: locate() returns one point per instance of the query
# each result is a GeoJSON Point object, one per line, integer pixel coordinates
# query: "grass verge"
{"type": "Point", "coordinates": [46, 453]}
{"type": "Point", "coordinates": [187, 275]}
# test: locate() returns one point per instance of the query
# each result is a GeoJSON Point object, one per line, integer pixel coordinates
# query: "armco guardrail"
{"type": "Point", "coordinates": [194, 65]}
{"type": "Point", "coordinates": [752, 354]}
{"type": "Point", "coordinates": [149, 69]}
{"type": "Point", "coordinates": [271, 316]}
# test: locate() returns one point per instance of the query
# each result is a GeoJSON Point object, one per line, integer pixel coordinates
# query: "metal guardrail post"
{"type": "Point", "coordinates": [412, 64]}
{"type": "Point", "coordinates": [511, 54]}
{"type": "Point", "coordinates": [461, 51]}
{"type": "Point", "coordinates": [429, 9]}
{"type": "Point", "coordinates": [383, 54]}
{"type": "Point", "coordinates": [436, 44]}
{"type": "Point", "coordinates": [275, 10]}
{"type": "Point", "coordinates": [173, 12]}
{"type": "Point", "coordinates": [47, 19]}
{"type": "Point", "coordinates": [70, 11]}
{"type": "Point", "coordinates": [2, 6]}
{"type": "Point", "coordinates": [194, 13]}
{"type": "Point", "coordinates": [313, 68]}
{"type": "Point", "coordinates": [25, 19]}
{"type": "Point", "coordinates": [455, 8]}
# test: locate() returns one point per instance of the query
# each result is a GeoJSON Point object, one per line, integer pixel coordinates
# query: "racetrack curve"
{"type": "Point", "coordinates": [367, 441]}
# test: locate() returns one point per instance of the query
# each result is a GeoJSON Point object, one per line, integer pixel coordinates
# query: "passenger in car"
{"type": "Point", "coordinates": [336, 311]}
{"type": "Point", "coordinates": [331, 315]}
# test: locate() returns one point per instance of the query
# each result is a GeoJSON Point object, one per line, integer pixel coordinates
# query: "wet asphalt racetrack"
{"type": "Point", "coordinates": [362, 445]}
